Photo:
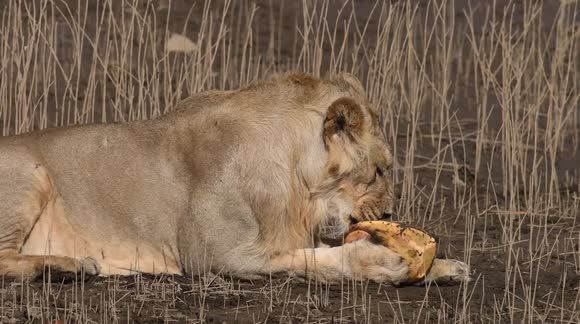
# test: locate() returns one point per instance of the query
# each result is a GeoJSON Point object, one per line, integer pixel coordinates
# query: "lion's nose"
{"type": "Point", "coordinates": [386, 216]}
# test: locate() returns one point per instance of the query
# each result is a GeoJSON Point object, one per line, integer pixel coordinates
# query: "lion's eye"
{"type": "Point", "coordinates": [380, 172]}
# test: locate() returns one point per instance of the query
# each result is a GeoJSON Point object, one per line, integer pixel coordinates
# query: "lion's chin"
{"type": "Point", "coordinates": [333, 230]}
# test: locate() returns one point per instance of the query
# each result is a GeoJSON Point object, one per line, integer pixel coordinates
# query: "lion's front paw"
{"type": "Point", "coordinates": [448, 272]}
{"type": "Point", "coordinates": [368, 261]}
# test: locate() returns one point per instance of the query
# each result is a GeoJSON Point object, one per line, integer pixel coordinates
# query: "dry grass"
{"type": "Point", "coordinates": [481, 105]}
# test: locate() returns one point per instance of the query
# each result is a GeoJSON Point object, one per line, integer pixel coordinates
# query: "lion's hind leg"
{"type": "Point", "coordinates": [25, 192]}
{"type": "Point", "coordinates": [51, 268]}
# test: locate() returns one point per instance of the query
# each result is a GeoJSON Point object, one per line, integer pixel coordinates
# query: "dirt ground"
{"type": "Point", "coordinates": [531, 274]}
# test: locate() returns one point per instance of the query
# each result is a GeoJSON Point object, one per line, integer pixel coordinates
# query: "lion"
{"type": "Point", "coordinates": [243, 182]}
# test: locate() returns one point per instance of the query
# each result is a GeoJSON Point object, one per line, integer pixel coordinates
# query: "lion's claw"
{"type": "Point", "coordinates": [90, 266]}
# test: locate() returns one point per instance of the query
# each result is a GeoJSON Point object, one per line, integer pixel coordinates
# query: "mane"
{"type": "Point", "coordinates": [305, 83]}
{"type": "Point", "coordinates": [295, 222]}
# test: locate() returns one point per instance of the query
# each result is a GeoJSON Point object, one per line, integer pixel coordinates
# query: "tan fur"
{"type": "Point", "coordinates": [242, 182]}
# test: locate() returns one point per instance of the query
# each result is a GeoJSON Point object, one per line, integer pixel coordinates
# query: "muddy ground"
{"type": "Point", "coordinates": [551, 294]}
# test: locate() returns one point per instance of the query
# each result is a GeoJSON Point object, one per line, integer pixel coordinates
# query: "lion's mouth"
{"type": "Point", "coordinates": [384, 216]}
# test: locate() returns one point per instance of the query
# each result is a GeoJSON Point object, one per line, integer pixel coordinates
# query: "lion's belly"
{"type": "Point", "coordinates": [53, 235]}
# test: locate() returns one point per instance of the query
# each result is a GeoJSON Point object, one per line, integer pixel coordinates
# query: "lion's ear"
{"type": "Point", "coordinates": [344, 118]}
{"type": "Point", "coordinates": [353, 82]}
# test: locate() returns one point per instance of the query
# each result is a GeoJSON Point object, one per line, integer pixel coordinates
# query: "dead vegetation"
{"type": "Point", "coordinates": [481, 103]}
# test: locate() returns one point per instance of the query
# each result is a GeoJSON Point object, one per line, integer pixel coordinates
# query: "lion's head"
{"type": "Point", "coordinates": [320, 142]}
{"type": "Point", "coordinates": [359, 163]}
